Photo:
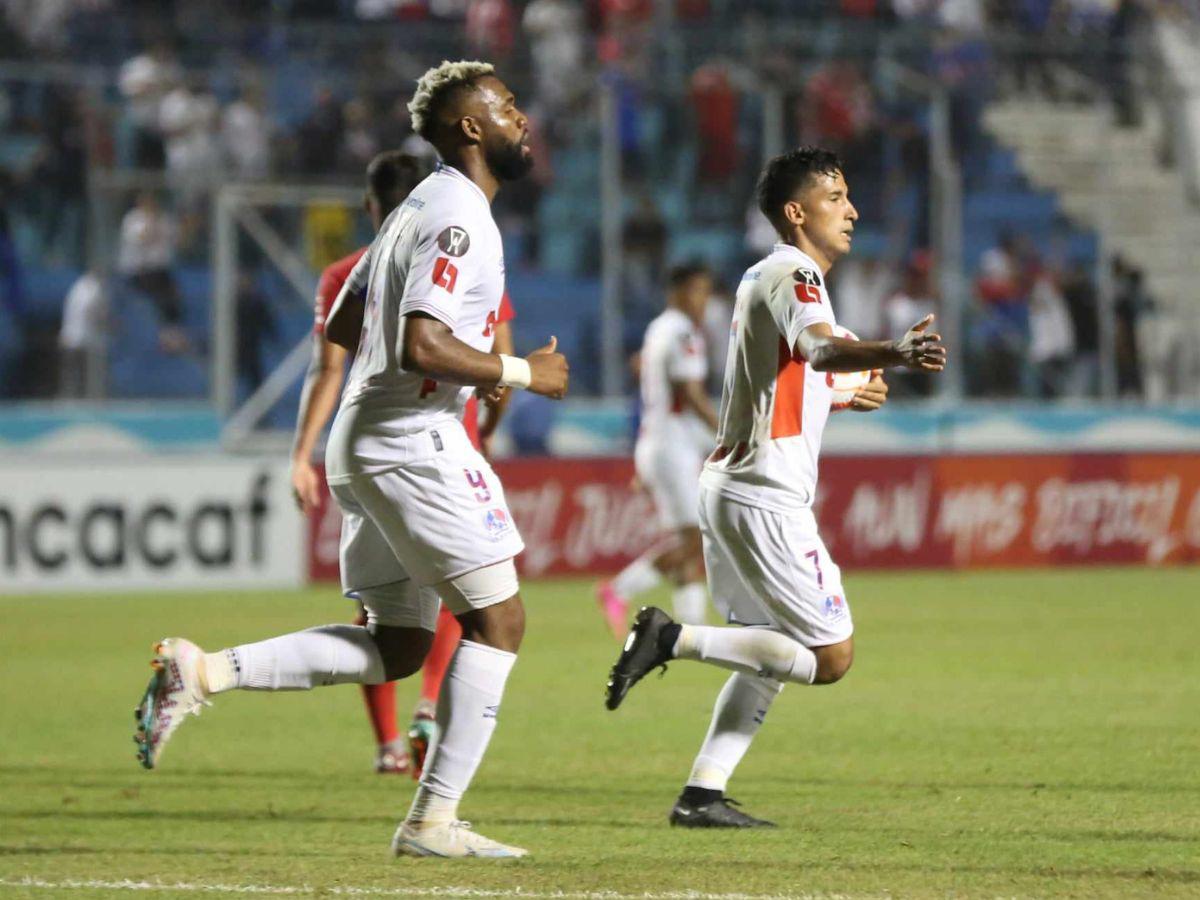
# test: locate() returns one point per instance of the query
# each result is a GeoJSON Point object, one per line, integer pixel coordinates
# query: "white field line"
{"type": "Point", "coordinates": [349, 891]}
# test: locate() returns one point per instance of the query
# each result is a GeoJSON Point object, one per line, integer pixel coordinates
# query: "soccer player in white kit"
{"type": "Point", "coordinates": [424, 514]}
{"type": "Point", "coordinates": [768, 570]}
{"type": "Point", "coordinates": [676, 434]}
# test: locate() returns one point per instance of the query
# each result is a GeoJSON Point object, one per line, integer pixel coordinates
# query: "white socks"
{"type": "Point", "coordinates": [330, 654]}
{"type": "Point", "coordinates": [466, 718]}
{"type": "Point", "coordinates": [690, 603]}
{"type": "Point", "coordinates": [755, 651]}
{"type": "Point", "coordinates": [741, 707]}
{"type": "Point", "coordinates": [637, 577]}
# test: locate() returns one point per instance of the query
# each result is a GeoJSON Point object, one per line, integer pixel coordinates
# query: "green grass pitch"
{"type": "Point", "coordinates": [1001, 735]}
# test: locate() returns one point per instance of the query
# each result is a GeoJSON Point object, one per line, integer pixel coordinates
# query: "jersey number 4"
{"type": "Point", "coordinates": [445, 274]}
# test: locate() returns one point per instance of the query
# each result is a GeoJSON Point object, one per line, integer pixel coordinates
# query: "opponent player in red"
{"type": "Point", "coordinates": [391, 176]}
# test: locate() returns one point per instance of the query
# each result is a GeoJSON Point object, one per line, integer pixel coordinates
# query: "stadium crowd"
{"type": "Point", "coordinates": [189, 98]}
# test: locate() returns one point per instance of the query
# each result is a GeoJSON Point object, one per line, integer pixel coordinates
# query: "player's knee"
{"type": "Point", "coordinates": [402, 650]}
{"type": "Point", "coordinates": [833, 662]}
{"type": "Point", "coordinates": [501, 625]}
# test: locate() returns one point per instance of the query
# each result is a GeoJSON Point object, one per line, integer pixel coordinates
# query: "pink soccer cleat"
{"type": "Point", "coordinates": [614, 607]}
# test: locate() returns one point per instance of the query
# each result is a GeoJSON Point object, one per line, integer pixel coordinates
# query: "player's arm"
{"type": "Point", "coordinates": [692, 395]}
{"type": "Point", "coordinates": [318, 399]}
{"type": "Point", "coordinates": [343, 326]}
{"type": "Point", "coordinates": [917, 349]}
{"type": "Point", "coordinates": [431, 349]}
{"type": "Point", "coordinates": [496, 402]}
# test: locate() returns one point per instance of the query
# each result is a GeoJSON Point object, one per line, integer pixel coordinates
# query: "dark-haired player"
{"type": "Point", "coordinates": [424, 514]}
{"type": "Point", "coordinates": [391, 176]}
{"type": "Point", "coordinates": [675, 435]}
{"type": "Point", "coordinates": [768, 569]}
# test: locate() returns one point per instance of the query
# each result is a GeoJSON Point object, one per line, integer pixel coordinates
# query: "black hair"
{"type": "Point", "coordinates": [392, 175]}
{"type": "Point", "coordinates": [787, 173]}
{"type": "Point", "coordinates": [685, 272]}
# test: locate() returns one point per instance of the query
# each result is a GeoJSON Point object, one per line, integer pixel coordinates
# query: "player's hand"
{"type": "Point", "coordinates": [491, 396]}
{"type": "Point", "coordinates": [921, 350]}
{"type": "Point", "coordinates": [871, 397]}
{"type": "Point", "coordinates": [306, 485]}
{"type": "Point", "coordinates": [548, 371]}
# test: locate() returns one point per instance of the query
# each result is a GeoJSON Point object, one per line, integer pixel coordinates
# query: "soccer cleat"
{"type": "Point", "coordinates": [642, 653]}
{"type": "Point", "coordinates": [614, 607]}
{"type": "Point", "coordinates": [450, 839]}
{"type": "Point", "coordinates": [715, 814]}
{"type": "Point", "coordinates": [173, 693]}
{"type": "Point", "coordinates": [390, 760]}
{"type": "Point", "coordinates": [421, 734]}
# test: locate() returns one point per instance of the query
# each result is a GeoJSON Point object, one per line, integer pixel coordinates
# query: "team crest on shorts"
{"type": "Point", "coordinates": [497, 523]}
{"type": "Point", "coordinates": [835, 608]}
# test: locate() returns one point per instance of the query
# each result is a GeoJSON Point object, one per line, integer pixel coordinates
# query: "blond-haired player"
{"type": "Point", "coordinates": [424, 514]}
{"type": "Point", "coordinates": [768, 569]}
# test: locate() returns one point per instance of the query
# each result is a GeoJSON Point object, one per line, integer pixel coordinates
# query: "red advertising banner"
{"type": "Point", "coordinates": [881, 512]}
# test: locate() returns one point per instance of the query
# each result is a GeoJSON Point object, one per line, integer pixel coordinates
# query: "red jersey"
{"type": "Point", "coordinates": [330, 285]}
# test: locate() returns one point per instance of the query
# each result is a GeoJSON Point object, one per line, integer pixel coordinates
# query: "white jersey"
{"type": "Point", "coordinates": [774, 405]}
{"type": "Point", "coordinates": [673, 350]}
{"type": "Point", "coordinates": [439, 253]}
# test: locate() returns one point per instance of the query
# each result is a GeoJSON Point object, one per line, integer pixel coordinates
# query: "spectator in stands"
{"type": "Point", "coordinates": [83, 337]}
{"type": "Point", "coordinates": [143, 81]}
{"type": "Point", "coordinates": [644, 240]}
{"type": "Point", "coordinates": [145, 255]}
{"type": "Point", "coordinates": [556, 36]}
{"type": "Point", "coordinates": [916, 298]}
{"type": "Point", "coordinates": [256, 326]}
{"type": "Point", "coordinates": [359, 141]}
{"type": "Point", "coordinates": [188, 119]}
{"type": "Point", "coordinates": [1131, 301]}
{"type": "Point", "coordinates": [12, 302]}
{"type": "Point", "coordinates": [245, 135]}
{"type": "Point", "coordinates": [1002, 323]}
{"type": "Point", "coordinates": [1051, 336]}
{"type": "Point", "coordinates": [491, 29]}
{"type": "Point", "coordinates": [320, 135]}
{"type": "Point", "coordinates": [1079, 291]}
{"type": "Point", "coordinates": [59, 176]}
{"type": "Point", "coordinates": [715, 109]}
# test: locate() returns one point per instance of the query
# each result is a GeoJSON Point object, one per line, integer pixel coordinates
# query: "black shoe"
{"type": "Point", "coordinates": [714, 814]}
{"type": "Point", "coordinates": [645, 649]}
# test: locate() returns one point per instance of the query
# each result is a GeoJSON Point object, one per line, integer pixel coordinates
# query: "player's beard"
{"type": "Point", "coordinates": [507, 159]}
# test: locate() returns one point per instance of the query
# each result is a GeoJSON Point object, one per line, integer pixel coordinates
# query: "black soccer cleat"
{"type": "Point", "coordinates": [714, 814]}
{"type": "Point", "coordinates": [643, 652]}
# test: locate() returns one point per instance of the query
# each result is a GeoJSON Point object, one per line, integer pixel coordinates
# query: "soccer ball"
{"type": "Point", "coordinates": [846, 384]}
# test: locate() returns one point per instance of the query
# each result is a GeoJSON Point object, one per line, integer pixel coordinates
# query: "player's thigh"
{"type": "Point", "coordinates": [671, 472]}
{"type": "Point", "coordinates": [786, 566]}
{"type": "Point", "coordinates": [732, 597]}
{"type": "Point", "coordinates": [487, 603]}
{"type": "Point", "coordinates": [372, 574]}
{"type": "Point", "coordinates": [443, 516]}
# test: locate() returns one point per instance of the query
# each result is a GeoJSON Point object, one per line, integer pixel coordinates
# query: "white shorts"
{"type": "Point", "coordinates": [670, 470]}
{"type": "Point", "coordinates": [767, 568]}
{"type": "Point", "coordinates": [408, 531]}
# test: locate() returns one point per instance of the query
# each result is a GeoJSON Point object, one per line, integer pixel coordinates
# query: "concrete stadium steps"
{"type": "Point", "coordinates": [1109, 179]}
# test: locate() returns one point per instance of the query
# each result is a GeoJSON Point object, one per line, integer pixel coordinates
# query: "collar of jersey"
{"type": "Point", "coordinates": [789, 248]}
{"type": "Point", "coordinates": [456, 173]}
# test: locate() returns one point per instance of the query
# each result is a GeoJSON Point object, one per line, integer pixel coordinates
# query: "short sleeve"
{"type": "Point", "coordinates": [444, 265]}
{"type": "Point", "coordinates": [797, 300]}
{"type": "Point", "coordinates": [506, 313]}
{"type": "Point", "coordinates": [688, 360]}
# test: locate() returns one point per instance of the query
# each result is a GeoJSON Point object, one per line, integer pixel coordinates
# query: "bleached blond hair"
{"type": "Point", "coordinates": [434, 84]}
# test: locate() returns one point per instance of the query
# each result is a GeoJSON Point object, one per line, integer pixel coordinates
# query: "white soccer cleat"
{"type": "Point", "coordinates": [450, 839]}
{"type": "Point", "coordinates": [173, 693]}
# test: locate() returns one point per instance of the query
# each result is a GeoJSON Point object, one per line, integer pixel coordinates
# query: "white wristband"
{"type": "Point", "coordinates": [514, 372]}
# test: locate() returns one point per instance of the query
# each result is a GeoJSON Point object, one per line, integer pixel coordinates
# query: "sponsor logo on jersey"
{"type": "Point", "coordinates": [835, 608]}
{"type": "Point", "coordinates": [454, 241]}
{"type": "Point", "coordinates": [497, 523]}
